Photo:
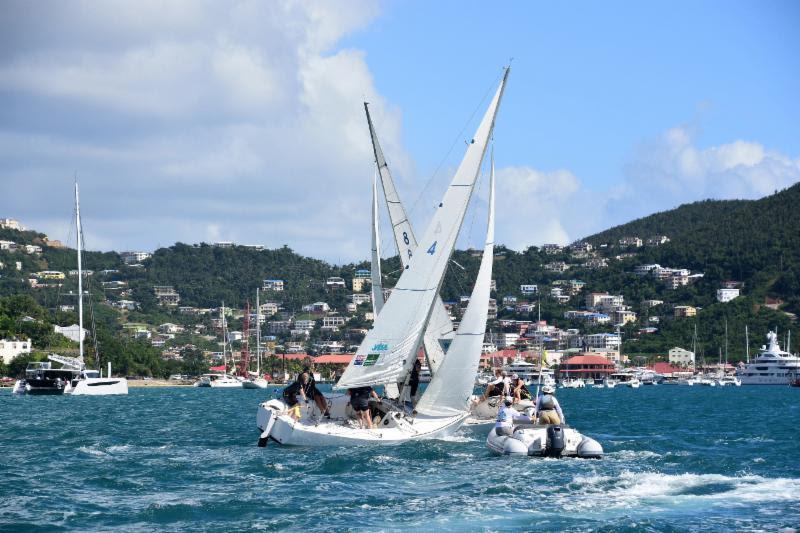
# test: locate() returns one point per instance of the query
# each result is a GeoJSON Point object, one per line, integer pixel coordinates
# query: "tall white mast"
{"type": "Point", "coordinates": [80, 271]}
{"type": "Point", "coordinates": [747, 344]}
{"type": "Point", "coordinates": [258, 333]}
{"type": "Point", "coordinates": [224, 341]}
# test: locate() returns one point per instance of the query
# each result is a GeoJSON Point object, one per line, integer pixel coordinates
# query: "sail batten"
{"type": "Point", "coordinates": [390, 347]}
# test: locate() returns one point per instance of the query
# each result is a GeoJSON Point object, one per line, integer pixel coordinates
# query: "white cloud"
{"type": "Point", "coordinates": [533, 206]}
{"type": "Point", "coordinates": [671, 170]}
{"type": "Point", "coordinates": [190, 121]}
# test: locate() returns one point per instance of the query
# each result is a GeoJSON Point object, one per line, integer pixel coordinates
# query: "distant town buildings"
{"type": "Point", "coordinates": [132, 258]}
{"type": "Point", "coordinates": [10, 223]}
{"type": "Point", "coordinates": [272, 285]}
{"type": "Point", "coordinates": [726, 295]}
{"type": "Point", "coordinates": [73, 332]}
{"type": "Point", "coordinates": [11, 348]}
{"type": "Point", "coordinates": [680, 357]}
{"type": "Point", "coordinates": [684, 311]}
{"type": "Point", "coordinates": [166, 295]}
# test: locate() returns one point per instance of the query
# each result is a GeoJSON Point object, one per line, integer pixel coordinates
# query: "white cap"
{"type": "Point", "coordinates": [548, 389]}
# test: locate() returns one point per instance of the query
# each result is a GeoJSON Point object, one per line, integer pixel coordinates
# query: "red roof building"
{"type": "Point", "coordinates": [585, 367]}
{"type": "Point", "coordinates": [333, 359]}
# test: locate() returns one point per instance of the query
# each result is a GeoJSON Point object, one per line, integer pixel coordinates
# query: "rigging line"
{"type": "Point", "coordinates": [455, 141]}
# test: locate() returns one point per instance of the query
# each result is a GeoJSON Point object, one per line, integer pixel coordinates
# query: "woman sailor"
{"type": "Point", "coordinates": [548, 410]}
{"type": "Point", "coordinates": [506, 416]}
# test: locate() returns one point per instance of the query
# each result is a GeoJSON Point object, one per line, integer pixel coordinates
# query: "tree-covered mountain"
{"type": "Point", "coordinates": [754, 242]}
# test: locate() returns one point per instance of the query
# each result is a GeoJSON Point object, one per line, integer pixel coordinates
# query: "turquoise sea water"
{"type": "Point", "coordinates": [678, 458]}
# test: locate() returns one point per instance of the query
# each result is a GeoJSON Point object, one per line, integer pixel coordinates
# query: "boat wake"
{"type": "Point", "coordinates": [668, 492]}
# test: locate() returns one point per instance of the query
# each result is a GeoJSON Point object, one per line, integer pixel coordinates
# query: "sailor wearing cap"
{"type": "Point", "coordinates": [506, 417]}
{"type": "Point", "coordinates": [548, 409]}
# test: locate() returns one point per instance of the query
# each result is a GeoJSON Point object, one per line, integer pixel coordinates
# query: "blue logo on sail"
{"type": "Point", "coordinates": [380, 347]}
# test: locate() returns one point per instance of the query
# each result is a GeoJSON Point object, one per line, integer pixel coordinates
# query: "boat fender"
{"type": "Point", "coordinates": [555, 441]}
{"type": "Point", "coordinates": [589, 449]}
{"type": "Point", "coordinates": [514, 446]}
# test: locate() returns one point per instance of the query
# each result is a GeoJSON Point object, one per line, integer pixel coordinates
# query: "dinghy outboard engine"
{"type": "Point", "coordinates": [555, 441]}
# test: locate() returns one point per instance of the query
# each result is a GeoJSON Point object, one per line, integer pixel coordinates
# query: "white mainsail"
{"type": "Point", "coordinates": [449, 390]}
{"type": "Point", "coordinates": [439, 326]}
{"type": "Point", "coordinates": [377, 284]}
{"type": "Point", "coordinates": [390, 348]}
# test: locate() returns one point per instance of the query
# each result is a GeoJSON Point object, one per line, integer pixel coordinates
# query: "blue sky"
{"type": "Point", "coordinates": [242, 121]}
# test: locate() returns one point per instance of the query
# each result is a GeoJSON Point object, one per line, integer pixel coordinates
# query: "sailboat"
{"type": "Point", "coordinates": [73, 377]}
{"type": "Point", "coordinates": [255, 381]}
{"type": "Point", "coordinates": [223, 380]}
{"type": "Point", "coordinates": [389, 350]}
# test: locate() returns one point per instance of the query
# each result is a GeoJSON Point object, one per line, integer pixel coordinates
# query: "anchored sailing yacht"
{"type": "Point", "coordinates": [73, 377]}
{"type": "Point", "coordinates": [403, 323]}
{"type": "Point", "coordinates": [773, 366]}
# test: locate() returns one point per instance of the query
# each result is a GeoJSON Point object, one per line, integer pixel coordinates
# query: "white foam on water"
{"type": "Point", "coordinates": [668, 491]}
{"type": "Point", "coordinates": [458, 438]}
{"type": "Point", "coordinates": [119, 448]}
{"type": "Point", "coordinates": [91, 450]}
{"type": "Point", "coordinates": [634, 454]}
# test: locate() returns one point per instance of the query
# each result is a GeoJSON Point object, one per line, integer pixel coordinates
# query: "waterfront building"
{"type": "Point", "coordinates": [585, 366]}
{"type": "Point", "coordinates": [681, 357]}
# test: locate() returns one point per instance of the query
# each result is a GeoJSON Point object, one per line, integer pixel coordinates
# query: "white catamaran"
{"type": "Point", "coordinates": [73, 377]}
{"type": "Point", "coordinates": [407, 321]}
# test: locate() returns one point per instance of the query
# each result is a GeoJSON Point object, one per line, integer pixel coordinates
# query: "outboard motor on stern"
{"type": "Point", "coordinates": [555, 441]}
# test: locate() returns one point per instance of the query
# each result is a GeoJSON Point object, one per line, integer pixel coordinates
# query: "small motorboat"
{"type": "Point", "coordinates": [544, 440]}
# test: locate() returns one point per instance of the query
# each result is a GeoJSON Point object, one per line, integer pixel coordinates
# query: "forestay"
{"type": "Point", "coordinates": [449, 390]}
{"type": "Point", "coordinates": [389, 348]}
{"type": "Point", "coordinates": [440, 327]}
{"type": "Point", "coordinates": [377, 287]}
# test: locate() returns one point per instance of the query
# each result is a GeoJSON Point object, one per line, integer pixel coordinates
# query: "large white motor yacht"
{"type": "Point", "coordinates": [773, 366]}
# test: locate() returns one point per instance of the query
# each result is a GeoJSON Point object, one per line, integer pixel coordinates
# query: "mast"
{"type": "Point", "coordinates": [725, 368]}
{"type": "Point", "coordinates": [224, 340]}
{"type": "Point", "coordinates": [258, 333]}
{"type": "Point", "coordinates": [747, 344]}
{"type": "Point", "coordinates": [80, 271]}
{"type": "Point", "coordinates": [375, 272]}
{"type": "Point", "coordinates": [694, 345]}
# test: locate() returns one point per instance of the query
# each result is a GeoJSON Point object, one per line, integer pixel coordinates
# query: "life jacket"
{"type": "Point", "coordinates": [548, 402]}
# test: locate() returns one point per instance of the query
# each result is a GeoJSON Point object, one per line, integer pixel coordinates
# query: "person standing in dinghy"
{"type": "Point", "coordinates": [548, 410]}
{"type": "Point", "coordinates": [359, 401]}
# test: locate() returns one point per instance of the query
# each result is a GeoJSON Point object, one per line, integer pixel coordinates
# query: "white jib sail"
{"type": "Point", "coordinates": [449, 390]}
{"type": "Point", "coordinates": [377, 287]}
{"type": "Point", "coordinates": [439, 326]}
{"type": "Point", "coordinates": [390, 348]}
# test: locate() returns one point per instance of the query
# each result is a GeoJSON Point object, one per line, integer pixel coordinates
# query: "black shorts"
{"type": "Point", "coordinates": [360, 404]}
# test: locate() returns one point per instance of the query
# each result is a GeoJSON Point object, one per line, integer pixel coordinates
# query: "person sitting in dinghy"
{"type": "Point", "coordinates": [506, 416]}
{"type": "Point", "coordinates": [499, 386]}
{"type": "Point", "coordinates": [359, 401]}
{"type": "Point", "coordinates": [518, 389]}
{"type": "Point", "coordinates": [305, 387]}
{"type": "Point", "coordinates": [548, 410]}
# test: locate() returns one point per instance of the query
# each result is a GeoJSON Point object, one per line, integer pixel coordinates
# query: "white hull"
{"type": "Point", "coordinates": [100, 387]}
{"type": "Point", "coordinates": [538, 440]}
{"type": "Point", "coordinates": [259, 383]}
{"type": "Point", "coordinates": [226, 383]}
{"type": "Point", "coordinates": [394, 428]}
